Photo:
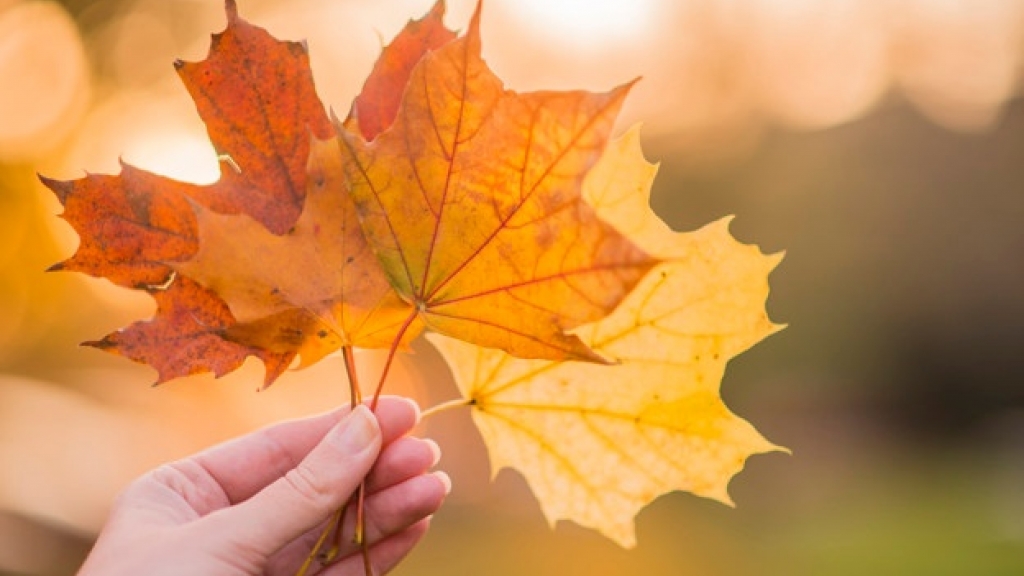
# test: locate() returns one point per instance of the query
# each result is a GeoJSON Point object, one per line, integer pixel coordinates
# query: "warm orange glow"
{"type": "Point", "coordinates": [45, 84]}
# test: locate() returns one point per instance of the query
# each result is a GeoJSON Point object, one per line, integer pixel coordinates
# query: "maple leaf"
{"type": "Point", "coordinates": [186, 337]}
{"type": "Point", "coordinates": [471, 201]}
{"type": "Point", "coordinates": [257, 98]}
{"type": "Point", "coordinates": [375, 107]}
{"type": "Point", "coordinates": [597, 443]}
{"type": "Point", "coordinates": [313, 290]}
{"type": "Point", "coordinates": [129, 225]}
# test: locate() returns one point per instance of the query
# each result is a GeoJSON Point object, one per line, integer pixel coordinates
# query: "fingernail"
{"type": "Point", "coordinates": [357, 430]}
{"type": "Point", "coordinates": [445, 479]}
{"type": "Point", "coordinates": [435, 450]}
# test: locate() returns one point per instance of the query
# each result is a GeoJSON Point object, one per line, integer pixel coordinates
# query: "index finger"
{"type": "Point", "coordinates": [244, 466]}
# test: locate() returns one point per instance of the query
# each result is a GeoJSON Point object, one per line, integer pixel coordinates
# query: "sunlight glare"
{"type": "Point", "coordinates": [180, 155]}
{"type": "Point", "coordinates": [589, 22]}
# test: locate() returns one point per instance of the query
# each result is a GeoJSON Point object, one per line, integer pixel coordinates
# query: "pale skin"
{"type": "Point", "coordinates": [256, 504]}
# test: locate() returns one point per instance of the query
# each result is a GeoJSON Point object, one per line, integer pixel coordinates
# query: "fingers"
{"type": "Point", "coordinates": [384, 555]}
{"type": "Point", "coordinates": [393, 510]}
{"type": "Point", "coordinates": [244, 466]}
{"type": "Point", "coordinates": [308, 493]}
{"type": "Point", "coordinates": [402, 459]}
{"type": "Point", "coordinates": [400, 495]}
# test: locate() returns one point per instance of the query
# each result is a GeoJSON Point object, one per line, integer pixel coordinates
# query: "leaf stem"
{"type": "Point", "coordinates": [355, 392]}
{"type": "Point", "coordinates": [314, 553]}
{"type": "Point", "coordinates": [336, 523]}
{"type": "Point", "coordinates": [391, 356]}
{"type": "Point", "coordinates": [444, 406]}
{"type": "Point", "coordinates": [359, 535]}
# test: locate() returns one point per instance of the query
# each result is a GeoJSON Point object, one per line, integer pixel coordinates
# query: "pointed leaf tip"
{"type": "Point", "coordinates": [231, 8]}
{"type": "Point", "coordinates": [474, 21]}
{"type": "Point", "coordinates": [375, 108]}
{"type": "Point", "coordinates": [104, 344]}
{"type": "Point", "coordinates": [61, 188]}
{"type": "Point", "coordinates": [438, 9]}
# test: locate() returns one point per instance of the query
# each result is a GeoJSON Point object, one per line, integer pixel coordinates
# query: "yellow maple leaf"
{"type": "Point", "coordinates": [597, 443]}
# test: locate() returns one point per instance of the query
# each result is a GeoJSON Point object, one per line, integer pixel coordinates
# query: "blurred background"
{"type": "Point", "coordinates": [880, 143]}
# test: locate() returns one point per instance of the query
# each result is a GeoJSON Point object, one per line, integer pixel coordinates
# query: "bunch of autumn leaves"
{"type": "Point", "coordinates": [588, 338]}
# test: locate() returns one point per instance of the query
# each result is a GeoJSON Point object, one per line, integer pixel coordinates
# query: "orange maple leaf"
{"type": "Point", "coordinates": [257, 98]}
{"type": "Point", "coordinates": [375, 107]}
{"type": "Point", "coordinates": [313, 290]}
{"type": "Point", "coordinates": [186, 336]}
{"type": "Point", "coordinates": [471, 200]}
{"type": "Point", "coordinates": [129, 225]}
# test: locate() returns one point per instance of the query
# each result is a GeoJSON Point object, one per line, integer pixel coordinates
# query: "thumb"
{"type": "Point", "coordinates": [309, 493]}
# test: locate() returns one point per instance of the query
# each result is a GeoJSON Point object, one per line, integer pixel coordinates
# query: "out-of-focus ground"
{"type": "Point", "coordinates": [881, 144]}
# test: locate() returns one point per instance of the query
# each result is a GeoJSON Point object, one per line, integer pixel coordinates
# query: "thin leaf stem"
{"type": "Point", "coordinates": [354, 390]}
{"type": "Point", "coordinates": [359, 534]}
{"type": "Point", "coordinates": [336, 523]}
{"type": "Point", "coordinates": [315, 552]}
{"type": "Point", "coordinates": [445, 406]}
{"type": "Point", "coordinates": [391, 357]}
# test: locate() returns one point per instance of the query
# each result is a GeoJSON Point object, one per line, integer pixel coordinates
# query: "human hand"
{"type": "Point", "coordinates": [256, 504]}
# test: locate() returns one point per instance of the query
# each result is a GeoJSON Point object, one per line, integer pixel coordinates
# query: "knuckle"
{"type": "Point", "coordinates": [310, 490]}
